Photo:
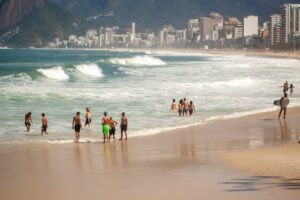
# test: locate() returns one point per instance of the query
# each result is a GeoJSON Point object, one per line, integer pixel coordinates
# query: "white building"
{"type": "Point", "coordinates": [193, 26]}
{"type": "Point", "coordinates": [250, 26]}
{"type": "Point", "coordinates": [290, 14]}
{"type": "Point", "coordinates": [275, 29]}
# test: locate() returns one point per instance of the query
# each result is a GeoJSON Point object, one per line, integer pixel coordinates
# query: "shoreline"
{"type": "Point", "coordinates": [88, 139]}
{"type": "Point", "coordinates": [155, 166]}
{"type": "Point", "coordinates": [230, 52]}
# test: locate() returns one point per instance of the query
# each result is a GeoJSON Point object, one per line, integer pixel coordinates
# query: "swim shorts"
{"type": "Point", "coordinates": [112, 131]}
{"type": "Point", "coordinates": [77, 127]}
{"type": "Point", "coordinates": [27, 124]}
{"type": "Point", "coordinates": [44, 128]}
{"type": "Point", "coordinates": [105, 129]}
{"type": "Point", "coordinates": [123, 127]}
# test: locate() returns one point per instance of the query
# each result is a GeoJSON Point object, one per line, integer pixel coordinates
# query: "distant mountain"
{"type": "Point", "coordinates": [34, 22]}
{"type": "Point", "coordinates": [13, 11]}
{"type": "Point", "coordinates": [155, 13]}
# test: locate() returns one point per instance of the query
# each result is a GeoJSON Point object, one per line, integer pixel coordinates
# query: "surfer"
{"type": "Point", "coordinates": [191, 108]}
{"type": "Point", "coordinates": [291, 89]}
{"type": "Point", "coordinates": [284, 101]}
{"type": "Point", "coordinates": [173, 105]}
{"type": "Point", "coordinates": [180, 107]}
{"type": "Point", "coordinates": [76, 124]}
{"type": "Point", "coordinates": [88, 117]}
{"type": "Point", "coordinates": [105, 126]}
{"type": "Point", "coordinates": [123, 126]}
{"type": "Point", "coordinates": [112, 130]}
{"type": "Point", "coordinates": [44, 124]}
{"type": "Point", "coordinates": [28, 121]}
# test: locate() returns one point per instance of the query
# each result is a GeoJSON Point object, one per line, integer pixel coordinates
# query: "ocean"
{"type": "Point", "coordinates": [60, 82]}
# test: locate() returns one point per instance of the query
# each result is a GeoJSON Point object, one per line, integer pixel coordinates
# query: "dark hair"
{"type": "Point", "coordinates": [191, 102]}
{"type": "Point", "coordinates": [43, 114]}
{"type": "Point", "coordinates": [29, 113]}
{"type": "Point", "coordinates": [174, 100]}
{"type": "Point", "coordinates": [78, 113]}
{"type": "Point", "coordinates": [123, 113]}
{"type": "Point", "coordinates": [105, 113]}
{"type": "Point", "coordinates": [285, 94]}
{"type": "Point", "coordinates": [184, 98]}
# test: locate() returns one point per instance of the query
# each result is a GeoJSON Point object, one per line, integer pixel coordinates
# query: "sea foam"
{"type": "Point", "coordinates": [89, 69]}
{"type": "Point", "coordinates": [138, 61]}
{"type": "Point", "coordinates": [56, 73]}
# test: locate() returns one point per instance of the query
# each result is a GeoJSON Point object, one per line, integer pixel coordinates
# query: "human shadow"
{"type": "Point", "coordinates": [259, 183]}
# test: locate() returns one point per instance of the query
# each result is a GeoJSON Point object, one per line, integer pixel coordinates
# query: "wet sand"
{"type": "Point", "coordinates": [182, 164]}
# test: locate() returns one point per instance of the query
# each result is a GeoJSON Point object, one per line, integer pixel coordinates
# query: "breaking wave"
{"type": "Point", "coordinates": [89, 69]}
{"type": "Point", "coordinates": [138, 61]}
{"type": "Point", "coordinates": [56, 73]}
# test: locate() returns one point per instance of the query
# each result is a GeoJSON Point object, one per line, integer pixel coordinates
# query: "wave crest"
{"type": "Point", "coordinates": [89, 69]}
{"type": "Point", "coordinates": [138, 61]}
{"type": "Point", "coordinates": [56, 73]}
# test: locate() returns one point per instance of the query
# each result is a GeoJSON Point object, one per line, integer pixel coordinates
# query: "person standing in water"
{"type": "Point", "coordinates": [285, 87]}
{"type": "Point", "coordinates": [123, 126]}
{"type": "Point", "coordinates": [112, 129]}
{"type": "Point", "coordinates": [44, 124]}
{"type": "Point", "coordinates": [284, 101]}
{"type": "Point", "coordinates": [88, 118]}
{"type": "Point", "coordinates": [180, 107]}
{"type": "Point", "coordinates": [173, 105]}
{"type": "Point", "coordinates": [185, 106]}
{"type": "Point", "coordinates": [191, 108]}
{"type": "Point", "coordinates": [76, 124]}
{"type": "Point", "coordinates": [291, 89]}
{"type": "Point", "coordinates": [105, 126]}
{"type": "Point", "coordinates": [28, 121]}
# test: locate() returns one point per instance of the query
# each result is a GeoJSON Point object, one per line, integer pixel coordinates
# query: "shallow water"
{"type": "Point", "coordinates": [142, 84]}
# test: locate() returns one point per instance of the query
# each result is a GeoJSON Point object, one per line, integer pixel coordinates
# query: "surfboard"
{"type": "Point", "coordinates": [276, 102]}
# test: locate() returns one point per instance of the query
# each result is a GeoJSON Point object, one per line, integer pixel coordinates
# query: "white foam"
{"type": "Point", "coordinates": [138, 61]}
{"type": "Point", "coordinates": [240, 82]}
{"type": "Point", "coordinates": [89, 69]}
{"type": "Point", "coordinates": [56, 73]}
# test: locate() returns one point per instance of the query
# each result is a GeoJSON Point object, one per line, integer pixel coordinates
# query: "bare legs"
{"type": "Point", "coordinates": [284, 113]}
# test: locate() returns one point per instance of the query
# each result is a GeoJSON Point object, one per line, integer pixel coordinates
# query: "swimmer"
{"type": "Point", "coordinates": [44, 124]}
{"type": "Point", "coordinates": [88, 118]}
{"type": "Point", "coordinates": [284, 101]}
{"type": "Point", "coordinates": [123, 126]}
{"type": "Point", "coordinates": [105, 126]}
{"type": "Point", "coordinates": [173, 105]}
{"type": "Point", "coordinates": [28, 121]}
{"type": "Point", "coordinates": [191, 108]}
{"type": "Point", "coordinates": [112, 129]}
{"type": "Point", "coordinates": [76, 124]}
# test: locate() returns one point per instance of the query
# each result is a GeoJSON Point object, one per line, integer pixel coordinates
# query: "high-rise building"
{"type": "Point", "coordinates": [108, 37]}
{"type": "Point", "coordinates": [290, 16]}
{"type": "Point", "coordinates": [193, 26]}
{"type": "Point", "coordinates": [214, 21]}
{"type": "Point", "coordinates": [250, 26]}
{"type": "Point", "coordinates": [275, 30]}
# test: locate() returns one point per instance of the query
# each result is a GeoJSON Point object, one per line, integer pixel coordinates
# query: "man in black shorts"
{"type": "Point", "coordinates": [76, 124]}
{"type": "Point", "coordinates": [123, 126]}
{"type": "Point", "coordinates": [112, 129]}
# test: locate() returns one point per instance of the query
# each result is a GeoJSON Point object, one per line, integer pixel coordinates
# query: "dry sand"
{"type": "Point", "coordinates": [182, 164]}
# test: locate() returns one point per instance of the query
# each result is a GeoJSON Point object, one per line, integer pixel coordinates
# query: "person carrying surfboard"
{"type": "Point", "coordinates": [284, 101]}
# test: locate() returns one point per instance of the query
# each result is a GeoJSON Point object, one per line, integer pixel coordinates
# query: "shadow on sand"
{"type": "Point", "coordinates": [258, 183]}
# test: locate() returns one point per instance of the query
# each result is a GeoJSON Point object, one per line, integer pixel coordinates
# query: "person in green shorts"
{"type": "Point", "coordinates": [105, 127]}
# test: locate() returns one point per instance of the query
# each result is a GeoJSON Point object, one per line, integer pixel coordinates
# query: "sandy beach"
{"type": "Point", "coordinates": [182, 164]}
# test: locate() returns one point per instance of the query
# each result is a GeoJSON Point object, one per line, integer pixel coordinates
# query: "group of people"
{"type": "Point", "coordinates": [287, 87]}
{"type": "Point", "coordinates": [284, 100]}
{"type": "Point", "coordinates": [184, 107]}
{"type": "Point", "coordinates": [108, 125]}
{"type": "Point", "coordinates": [28, 122]}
